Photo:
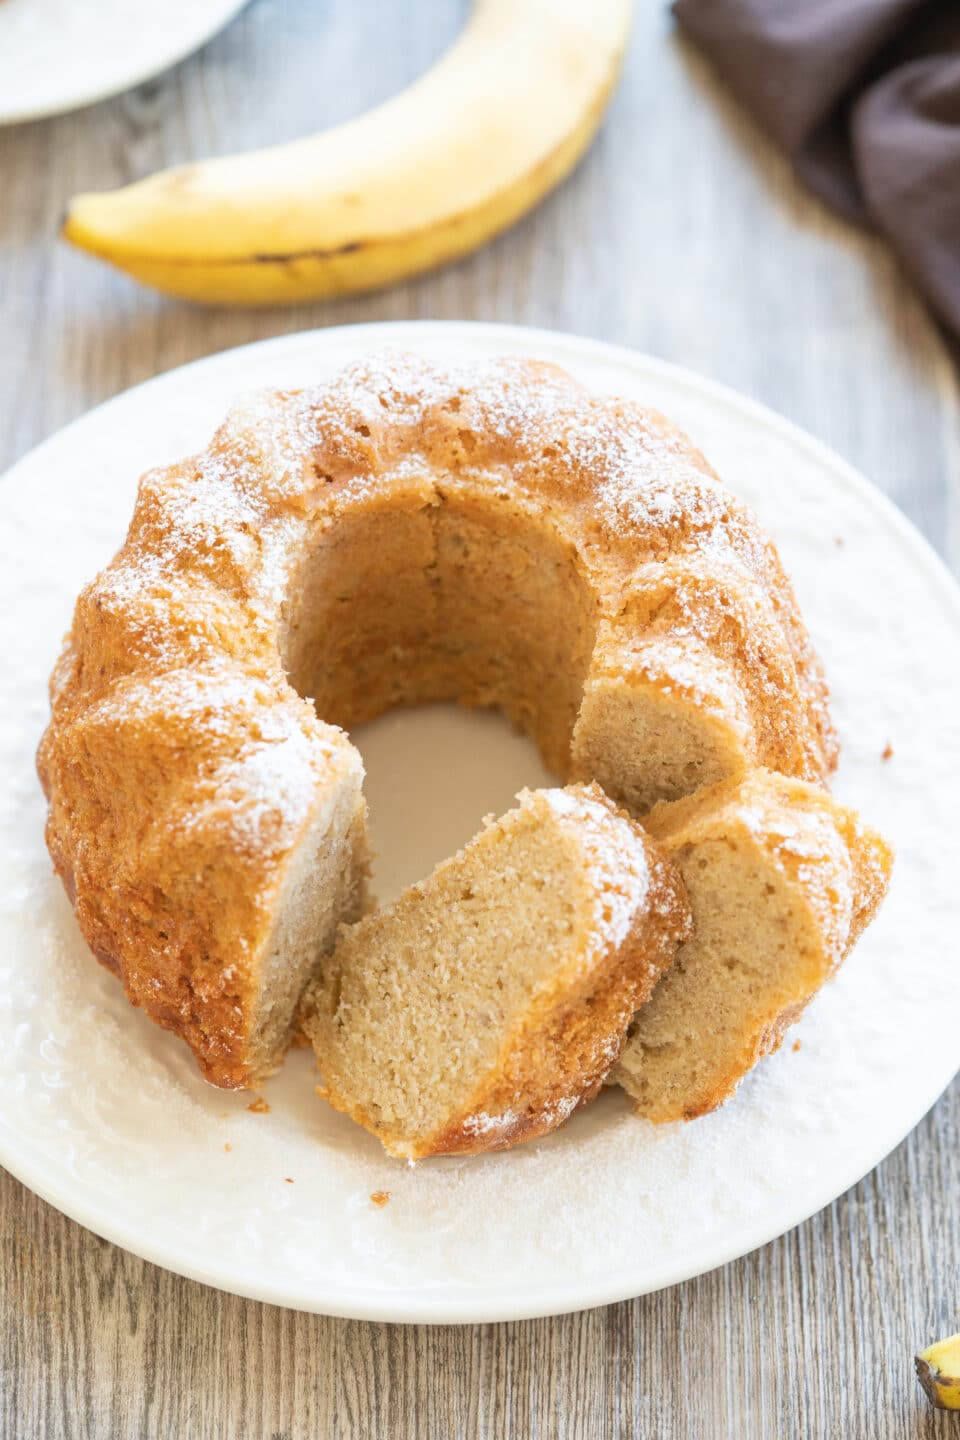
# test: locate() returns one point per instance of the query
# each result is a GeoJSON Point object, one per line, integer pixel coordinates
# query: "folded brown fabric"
{"type": "Point", "coordinates": [864, 95]}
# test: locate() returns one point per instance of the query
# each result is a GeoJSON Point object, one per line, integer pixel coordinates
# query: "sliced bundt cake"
{"type": "Point", "coordinates": [489, 1001]}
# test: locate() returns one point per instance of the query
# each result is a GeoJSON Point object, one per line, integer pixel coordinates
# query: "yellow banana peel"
{"type": "Point", "coordinates": [938, 1370]}
{"type": "Point", "coordinates": [410, 185]}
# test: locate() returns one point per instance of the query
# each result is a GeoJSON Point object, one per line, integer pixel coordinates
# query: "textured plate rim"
{"type": "Point", "coordinates": [221, 13]}
{"type": "Point", "coordinates": [361, 1304]}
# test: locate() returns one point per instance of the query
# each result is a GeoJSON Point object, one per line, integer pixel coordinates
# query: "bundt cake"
{"type": "Point", "coordinates": [494, 535]}
{"type": "Point", "coordinates": [781, 882]}
{"type": "Point", "coordinates": [488, 1002]}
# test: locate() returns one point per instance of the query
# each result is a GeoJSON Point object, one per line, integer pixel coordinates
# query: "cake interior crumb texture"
{"type": "Point", "coordinates": [443, 597]}
{"type": "Point", "coordinates": [781, 880]}
{"type": "Point", "coordinates": [325, 884]}
{"type": "Point", "coordinates": [489, 1001]}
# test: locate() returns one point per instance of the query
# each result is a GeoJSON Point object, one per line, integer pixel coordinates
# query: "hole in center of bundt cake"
{"type": "Point", "coordinates": [464, 598]}
{"type": "Point", "coordinates": [426, 799]}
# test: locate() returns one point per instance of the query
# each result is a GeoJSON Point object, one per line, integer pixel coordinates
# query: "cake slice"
{"type": "Point", "coordinates": [489, 1001]}
{"type": "Point", "coordinates": [781, 882]}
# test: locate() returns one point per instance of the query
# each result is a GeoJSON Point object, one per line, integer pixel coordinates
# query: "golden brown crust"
{"type": "Point", "coordinates": [801, 829]}
{"type": "Point", "coordinates": [175, 860]}
{"type": "Point", "coordinates": [171, 708]}
{"type": "Point", "coordinates": [836, 868]}
{"type": "Point", "coordinates": [557, 1062]}
{"type": "Point", "coordinates": [755, 1048]}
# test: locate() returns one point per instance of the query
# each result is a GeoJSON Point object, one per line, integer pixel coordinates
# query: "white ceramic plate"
{"type": "Point", "coordinates": [106, 1117]}
{"type": "Point", "coordinates": [57, 55]}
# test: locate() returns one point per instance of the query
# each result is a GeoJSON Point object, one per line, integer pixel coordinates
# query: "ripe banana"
{"type": "Point", "coordinates": [938, 1370]}
{"type": "Point", "coordinates": [427, 177]}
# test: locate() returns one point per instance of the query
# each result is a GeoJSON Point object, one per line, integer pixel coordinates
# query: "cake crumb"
{"type": "Point", "coordinates": [227, 1146]}
{"type": "Point", "coordinates": [259, 1106]}
{"type": "Point", "coordinates": [380, 1198]}
{"type": "Point", "coordinates": [887, 752]}
{"type": "Point", "coordinates": [796, 1046]}
{"type": "Point", "coordinates": [839, 541]}
{"type": "Point", "coordinates": [288, 1179]}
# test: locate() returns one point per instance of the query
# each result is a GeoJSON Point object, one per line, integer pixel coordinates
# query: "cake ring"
{"type": "Point", "coordinates": [495, 536]}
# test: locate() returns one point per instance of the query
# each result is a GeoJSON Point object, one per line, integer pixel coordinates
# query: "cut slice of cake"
{"type": "Point", "coordinates": [781, 882]}
{"type": "Point", "coordinates": [489, 1001]}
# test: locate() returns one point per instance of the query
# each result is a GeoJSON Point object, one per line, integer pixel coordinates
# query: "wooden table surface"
{"type": "Point", "coordinates": [683, 235]}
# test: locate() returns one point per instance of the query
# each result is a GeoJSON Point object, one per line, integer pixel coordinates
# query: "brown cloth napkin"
{"type": "Point", "coordinates": [864, 95]}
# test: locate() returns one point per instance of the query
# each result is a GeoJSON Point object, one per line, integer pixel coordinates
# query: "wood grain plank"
{"type": "Point", "coordinates": [684, 235]}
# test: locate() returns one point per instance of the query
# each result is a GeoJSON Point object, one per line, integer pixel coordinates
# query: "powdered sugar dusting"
{"type": "Point", "coordinates": [269, 790]}
{"type": "Point", "coordinates": [810, 849]}
{"type": "Point", "coordinates": [616, 861]}
{"type": "Point", "coordinates": [482, 1124]}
